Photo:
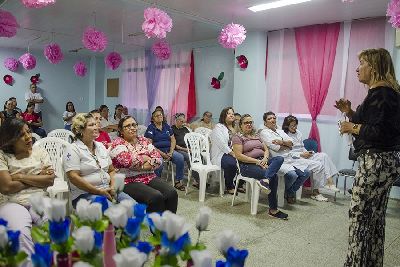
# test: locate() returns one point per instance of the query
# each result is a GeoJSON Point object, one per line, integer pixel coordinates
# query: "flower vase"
{"type": "Point", "coordinates": [63, 260]}
{"type": "Point", "coordinates": [109, 247]}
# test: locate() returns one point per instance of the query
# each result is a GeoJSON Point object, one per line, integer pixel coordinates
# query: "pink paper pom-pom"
{"type": "Point", "coordinates": [113, 60]}
{"type": "Point", "coordinates": [37, 3]}
{"type": "Point", "coordinates": [53, 53]}
{"type": "Point", "coordinates": [11, 64]}
{"type": "Point", "coordinates": [80, 68]}
{"type": "Point", "coordinates": [161, 50]}
{"type": "Point", "coordinates": [232, 35]}
{"type": "Point", "coordinates": [94, 40]}
{"type": "Point", "coordinates": [28, 61]}
{"type": "Point", "coordinates": [393, 11]}
{"type": "Point", "coordinates": [8, 24]}
{"type": "Point", "coordinates": [156, 23]}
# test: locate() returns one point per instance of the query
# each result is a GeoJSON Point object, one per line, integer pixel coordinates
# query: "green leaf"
{"type": "Point", "coordinates": [40, 234]}
{"type": "Point", "coordinates": [221, 76]}
{"type": "Point", "coordinates": [100, 226]}
{"type": "Point", "coordinates": [21, 256]}
{"type": "Point", "coordinates": [75, 220]}
{"type": "Point", "coordinates": [157, 261]}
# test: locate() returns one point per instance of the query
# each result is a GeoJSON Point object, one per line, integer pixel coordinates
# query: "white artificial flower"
{"type": "Point", "coordinates": [128, 204]}
{"type": "Point", "coordinates": [3, 236]}
{"type": "Point", "coordinates": [55, 209]}
{"type": "Point", "coordinates": [87, 211]}
{"type": "Point", "coordinates": [82, 264]}
{"type": "Point", "coordinates": [117, 215]}
{"type": "Point", "coordinates": [84, 239]}
{"type": "Point", "coordinates": [174, 225]}
{"type": "Point", "coordinates": [37, 203]}
{"type": "Point", "coordinates": [201, 258]}
{"type": "Point", "coordinates": [130, 257]}
{"type": "Point", "coordinates": [203, 218]}
{"type": "Point", "coordinates": [225, 240]}
{"type": "Point", "coordinates": [157, 220]}
{"type": "Point", "coordinates": [119, 182]}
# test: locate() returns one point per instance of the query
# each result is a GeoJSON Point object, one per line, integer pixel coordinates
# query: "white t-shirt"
{"type": "Point", "coordinates": [67, 114]}
{"type": "Point", "coordinates": [30, 165]}
{"type": "Point", "coordinates": [36, 96]}
{"type": "Point", "coordinates": [77, 157]}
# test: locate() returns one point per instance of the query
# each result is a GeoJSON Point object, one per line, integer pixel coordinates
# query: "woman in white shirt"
{"type": "Point", "coordinates": [24, 170]}
{"type": "Point", "coordinates": [221, 147]}
{"type": "Point", "coordinates": [87, 163]}
{"type": "Point", "coordinates": [118, 114]}
{"type": "Point", "coordinates": [68, 115]}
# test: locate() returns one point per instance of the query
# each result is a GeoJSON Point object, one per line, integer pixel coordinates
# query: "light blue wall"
{"type": "Point", "coordinates": [58, 85]}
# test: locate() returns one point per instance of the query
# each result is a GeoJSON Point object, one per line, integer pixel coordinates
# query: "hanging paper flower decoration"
{"type": "Point", "coordinates": [80, 68]}
{"type": "Point", "coordinates": [35, 78]}
{"type": "Point", "coordinates": [393, 11]}
{"type": "Point", "coordinates": [156, 23]}
{"type": "Point", "coordinates": [8, 79]}
{"type": "Point", "coordinates": [28, 61]}
{"type": "Point", "coordinates": [8, 24]}
{"type": "Point", "coordinates": [53, 53]}
{"type": "Point", "coordinates": [37, 3]}
{"type": "Point", "coordinates": [242, 61]}
{"type": "Point", "coordinates": [216, 82]}
{"type": "Point", "coordinates": [94, 40]}
{"type": "Point", "coordinates": [161, 50]}
{"type": "Point", "coordinates": [347, 1]}
{"type": "Point", "coordinates": [113, 60]}
{"type": "Point", "coordinates": [232, 35]}
{"type": "Point", "coordinates": [11, 64]}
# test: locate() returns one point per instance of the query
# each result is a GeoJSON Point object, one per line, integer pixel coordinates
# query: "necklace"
{"type": "Point", "coordinates": [103, 176]}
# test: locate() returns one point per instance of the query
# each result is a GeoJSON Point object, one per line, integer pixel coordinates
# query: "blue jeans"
{"type": "Point", "coordinates": [88, 196]}
{"type": "Point", "coordinates": [228, 164]}
{"type": "Point", "coordinates": [67, 127]}
{"type": "Point", "coordinates": [39, 131]}
{"type": "Point", "coordinates": [295, 179]}
{"type": "Point", "coordinates": [177, 159]}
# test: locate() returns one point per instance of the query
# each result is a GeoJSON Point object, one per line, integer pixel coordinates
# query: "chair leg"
{"type": "Point", "coordinates": [255, 195]}
{"type": "Point", "coordinates": [202, 186]}
{"type": "Point", "coordinates": [345, 183]}
{"type": "Point", "coordinates": [236, 187]}
{"type": "Point", "coordinates": [249, 186]}
{"type": "Point", "coordinates": [221, 184]}
{"type": "Point", "coordinates": [299, 192]}
{"type": "Point", "coordinates": [188, 182]}
{"type": "Point", "coordinates": [281, 190]}
{"type": "Point", "coordinates": [172, 173]}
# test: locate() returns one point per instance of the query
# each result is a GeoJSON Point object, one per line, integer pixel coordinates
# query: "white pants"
{"type": "Point", "coordinates": [328, 169]}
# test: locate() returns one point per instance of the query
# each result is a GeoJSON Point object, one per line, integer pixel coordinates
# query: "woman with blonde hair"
{"type": "Point", "coordinates": [376, 129]}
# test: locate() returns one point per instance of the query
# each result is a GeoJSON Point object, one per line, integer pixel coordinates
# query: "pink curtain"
{"type": "Point", "coordinates": [316, 51]}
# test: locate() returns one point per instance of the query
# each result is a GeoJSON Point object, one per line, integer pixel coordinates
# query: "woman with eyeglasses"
{"type": "Point", "coordinates": [88, 165]}
{"type": "Point", "coordinates": [206, 121]}
{"type": "Point", "coordinates": [255, 162]}
{"type": "Point", "coordinates": [137, 158]}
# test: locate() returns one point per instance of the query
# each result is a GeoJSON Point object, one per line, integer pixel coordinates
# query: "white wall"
{"type": "Point", "coordinates": [58, 85]}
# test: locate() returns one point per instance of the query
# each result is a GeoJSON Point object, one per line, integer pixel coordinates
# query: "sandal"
{"type": "Point", "coordinates": [241, 190]}
{"type": "Point", "coordinates": [197, 185]}
{"type": "Point", "coordinates": [179, 186]}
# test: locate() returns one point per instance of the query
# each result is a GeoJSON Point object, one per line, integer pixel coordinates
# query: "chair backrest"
{"type": "Point", "coordinates": [141, 129]}
{"type": "Point", "coordinates": [203, 130]}
{"type": "Point", "coordinates": [199, 148]}
{"type": "Point", "coordinates": [310, 145]}
{"type": "Point", "coordinates": [55, 147]}
{"type": "Point", "coordinates": [66, 135]}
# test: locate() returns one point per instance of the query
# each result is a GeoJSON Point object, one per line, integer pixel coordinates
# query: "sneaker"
{"type": "Point", "coordinates": [279, 215]}
{"type": "Point", "coordinates": [263, 184]}
{"type": "Point", "coordinates": [332, 187]}
{"type": "Point", "coordinates": [320, 197]}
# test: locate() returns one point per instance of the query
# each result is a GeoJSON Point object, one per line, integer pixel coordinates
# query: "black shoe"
{"type": "Point", "coordinates": [279, 215]}
{"type": "Point", "coordinates": [350, 191]}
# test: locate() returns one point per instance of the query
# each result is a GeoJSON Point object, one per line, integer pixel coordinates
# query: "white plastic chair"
{"type": "Point", "coordinates": [63, 134]}
{"type": "Point", "coordinates": [199, 150]}
{"type": "Point", "coordinates": [55, 147]}
{"type": "Point", "coordinates": [141, 129]}
{"type": "Point", "coordinates": [203, 130]}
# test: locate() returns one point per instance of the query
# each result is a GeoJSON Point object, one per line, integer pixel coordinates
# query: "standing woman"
{"type": "Point", "coordinates": [221, 147]}
{"type": "Point", "coordinates": [68, 115]}
{"type": "Point", "coordinates": [375, 126]}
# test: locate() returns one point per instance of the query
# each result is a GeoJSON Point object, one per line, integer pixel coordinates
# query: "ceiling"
{"type": "Point", "coordinates": [193, 20]}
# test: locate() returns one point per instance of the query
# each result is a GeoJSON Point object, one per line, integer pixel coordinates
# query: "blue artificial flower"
{"type": "Point", "coordinates": [144, 247]}
{"type": "Point", "coordinates": [103, 201]}
{"type": "Point", "coordinates": [174, 247]}
{"type": "Point", "coordinates": [13, 240]}
{"type": "Point", "coordinates": [3, 222]}
{"type": "Point", "coordinates": [59, 231]}
{"type": "Point", "coordinates": [42, 256]}
{"type": "Point", "coordinates": [220, 263]}
{"type": "Point", "coordinates": [132, 228]}
{"type": "Point", "coordinates": [236, 257]}
{"type": "Point", "coordinates": [98, 240]}
{"type": "Point", "coordinates": [140, 211]}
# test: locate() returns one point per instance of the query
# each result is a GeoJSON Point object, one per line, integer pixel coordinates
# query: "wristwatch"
{"type": "Point", "coordinates": [355, 126]}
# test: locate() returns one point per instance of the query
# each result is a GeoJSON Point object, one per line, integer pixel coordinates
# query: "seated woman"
{"type": "Point", "coordinates": [87, 163]}
{"type": "Point", "coordinates": [68, 115]}
{"type": "Point", "coordinates": [24, 170]}
{"type": "Point", "coordinates": [205, 121]}
{"type": "Point", "coordinates": [254, 162]}
{"type": "Point", "coordinates": [137, 158]}
{"type": "Point", "coordinates": [289, 126]}
{"type": "Point", "coordinates": [163, 139]}
{"type": "Point", "coordinates": [9, 112]}
{"type": "Point", "coordinates": [33, 120]}
{"type": "Point", "coordinates": [118, 114]}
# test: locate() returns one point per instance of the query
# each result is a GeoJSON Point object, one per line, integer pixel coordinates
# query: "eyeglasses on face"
{"type": "Point", "coordinates": [129, 126]}
{"type": "Point", "coordinates": [248, 122]}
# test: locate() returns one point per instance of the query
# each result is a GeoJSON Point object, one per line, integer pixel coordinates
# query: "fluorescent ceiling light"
{"type": "Point", "coordinates": [276, 4]}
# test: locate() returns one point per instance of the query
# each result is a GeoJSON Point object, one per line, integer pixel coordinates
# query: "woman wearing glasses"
{"type": "Point", "coordinates": [137, 158]}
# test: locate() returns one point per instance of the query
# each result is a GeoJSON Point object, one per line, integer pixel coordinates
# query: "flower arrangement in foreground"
{"type": "Point", "coordinates": [168, 243]}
